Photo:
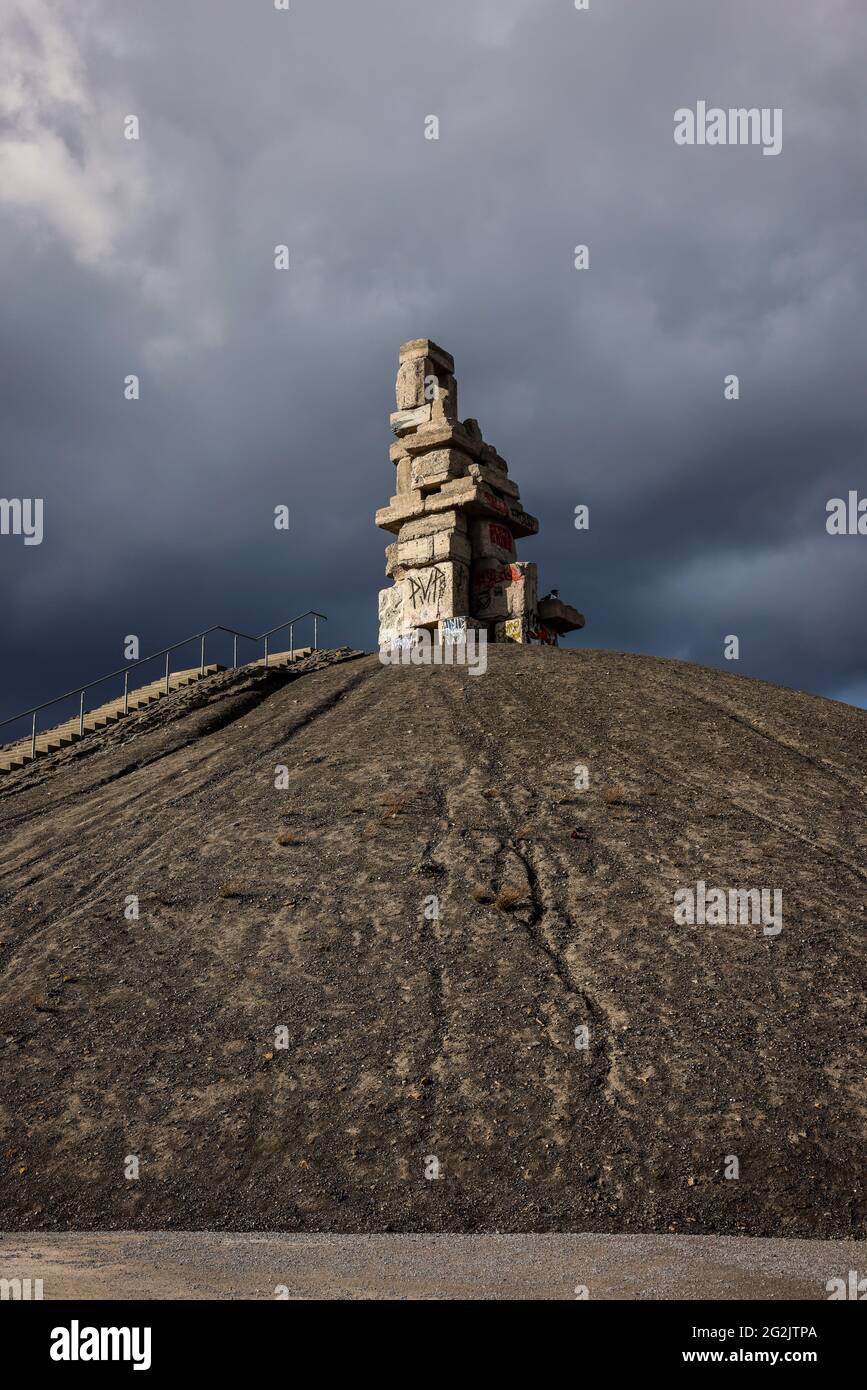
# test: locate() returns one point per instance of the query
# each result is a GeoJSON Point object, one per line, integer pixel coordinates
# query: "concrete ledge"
{"type": "Point", "coordinates": [559, 616]}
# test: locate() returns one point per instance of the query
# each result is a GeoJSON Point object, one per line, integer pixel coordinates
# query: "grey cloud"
{"type": "Point", "coordinates": [259, 387]}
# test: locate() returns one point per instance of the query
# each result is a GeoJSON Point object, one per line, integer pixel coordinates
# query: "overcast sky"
{"type": "Point", "coordinates": [262, 387]}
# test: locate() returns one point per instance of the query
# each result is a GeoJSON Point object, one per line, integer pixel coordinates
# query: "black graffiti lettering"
{"type": "Point", "coordinates": [428, 591]}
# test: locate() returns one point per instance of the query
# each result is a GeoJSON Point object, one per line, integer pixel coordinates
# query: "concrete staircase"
{"type": "Point", "coordinates": [18, 754]}
{"type": "Point", "coordinates": [282, 658]}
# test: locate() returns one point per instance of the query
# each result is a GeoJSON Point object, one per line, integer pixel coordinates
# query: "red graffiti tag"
{"type": "Point", "coordinates": [500, 535]}
{"type": "Point", "coordinates": [489, 579]}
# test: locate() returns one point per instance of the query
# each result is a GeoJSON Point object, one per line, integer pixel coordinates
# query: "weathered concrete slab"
{"type": "Point", "coordinates": [426, 347]}
{"type": "Point", "coordinates": [560, 616]}
{"type": "Point", "coordinates": [493, 478]}
{"type": "Point", "coordinates": [440, 434]}
{"type": "Point", "coordinates": [462, 493]}
{"type": "Point", "coordinates": [437, 521]}
{"type": "Point", "coordinates": [404, 421]}
{"type": "Point", "coordinates": [402, 556]}
{"type": "Point", "coordinates": [434, 592]}
{"type": "Point", "coordinates": [492, 540]}
{"type": "Point", "coordinates": [503, 590]}
{"type": "Point", "coordinates": [429, 471]}
{"type": "Point", "coordinates": [410, 385]}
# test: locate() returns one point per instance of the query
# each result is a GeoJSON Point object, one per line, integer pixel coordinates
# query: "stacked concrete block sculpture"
{"type": "Point", "coordinates": [456, 514]}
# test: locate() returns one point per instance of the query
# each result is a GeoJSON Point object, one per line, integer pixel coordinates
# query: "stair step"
{"type": "Point", "coordinates": [282, 658]}
{"type": "Point", "coordinates": [18, 754]}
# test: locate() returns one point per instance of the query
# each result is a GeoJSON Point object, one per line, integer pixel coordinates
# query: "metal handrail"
{"type": "Point", "coordinates": [124, 671]}
{"type": "Point", "coordinates": [311, 613]}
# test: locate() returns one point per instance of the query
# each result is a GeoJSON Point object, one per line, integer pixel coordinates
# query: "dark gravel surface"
{"type": "Point", "coordinates": [411, 1037]}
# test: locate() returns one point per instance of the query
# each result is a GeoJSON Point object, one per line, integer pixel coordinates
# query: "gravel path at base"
{"type": "Point", "coordinates": [221, 1265]}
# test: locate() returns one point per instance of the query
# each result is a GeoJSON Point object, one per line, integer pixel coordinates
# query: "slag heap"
{"type": "Point", "coordinates": [456, 515]}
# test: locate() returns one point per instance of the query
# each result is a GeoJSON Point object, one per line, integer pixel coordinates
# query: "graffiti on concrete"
{"type": "Point", "coordinates": [429, 589]}
{"type": "Point", "coordinates": [455, 516]}
{"type": "Point", "coordinates": [501, 536]}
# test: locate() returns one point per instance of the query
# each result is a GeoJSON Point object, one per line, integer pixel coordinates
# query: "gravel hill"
{"type": "Point", "coordinates": [417, 1030]}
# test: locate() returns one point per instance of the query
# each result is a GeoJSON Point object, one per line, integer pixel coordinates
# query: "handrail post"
{"type": "Point", "coordinates": [124, 671]}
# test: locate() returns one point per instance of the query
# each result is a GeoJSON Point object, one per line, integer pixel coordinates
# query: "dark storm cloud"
{"type": "Point", "coordinates": [260, 387]}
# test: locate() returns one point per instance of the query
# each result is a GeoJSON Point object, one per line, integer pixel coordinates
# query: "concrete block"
{"type": "Point", "coordinates": [406, 507]}
{"type": "Point", "coordinates": [403, 556]}
{"type": "Point", "coordinates": [444, 406]}
{"type": "Point", "coordinates": [425, 347]}
{"type": "Point", "coordinates": [459, 494]}
{"type": "Point", "coordinates": [433, 592]}
{"type": "Point", "coordinates": [494, 478]}
{"type": "Point", "coordinates": [390, 611]}
{"type": "Point", "coordinates": [405, 421]}
{"type": "Point", "coordinates": [521, 523]}
{"type": "Point", "coordinates": [439, 434]}
{"type": "Point", "coordinates": [429, 471]}
{"type": "Point", "coordinates": [437, 521]}
{"type": "Point", "coordinates": [410, 385]}
{"type": "Point", "coordinates": [492, 540]}
{"type": "Point", "coordinates": [453, 631]}
{"type": "Point", "coordinates": [512, 630]}
{"type": "Point", "coordinates": [502, 591]}
{"type": "Point", "coordinates": [559, 616]}
{"type": "Point", "coordinates": [405, 482]}
{"type": "Point", "coordinates": [523, 593]}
